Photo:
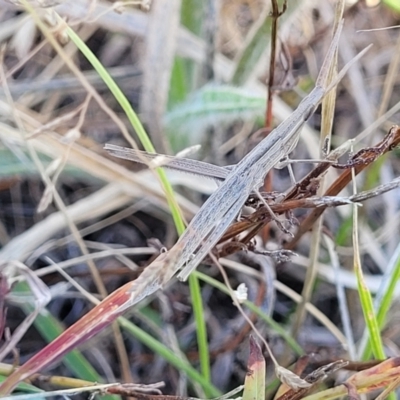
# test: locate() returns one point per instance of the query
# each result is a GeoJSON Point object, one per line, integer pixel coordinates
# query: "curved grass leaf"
{"type": "Point", "coordinates": [212, 105]}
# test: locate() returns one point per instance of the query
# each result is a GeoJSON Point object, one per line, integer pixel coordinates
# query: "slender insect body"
{"type": "Point", "coordinates": [200, 234]}
{"type": "Point", "coordinates": [220, 209]}
{"type": "Point", "coordinates": [207, 243]}
{"type": "Point", "coordinates": [224, 205]}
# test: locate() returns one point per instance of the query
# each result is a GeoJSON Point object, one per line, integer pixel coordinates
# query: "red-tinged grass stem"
{"type": "Point", "coordinates": [93, 322]}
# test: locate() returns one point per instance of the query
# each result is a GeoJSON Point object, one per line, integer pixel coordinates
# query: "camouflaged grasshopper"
{"type": "Point", "coordinates": [240, 180]}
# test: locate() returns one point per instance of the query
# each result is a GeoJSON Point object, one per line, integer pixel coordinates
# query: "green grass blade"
{"type": "Point", "coordinates": [202, 342]}
{"type": "Point", "coordinates": [169, 355]}
{"type": "Point", "coordinates": [365, 296]}
{"type": "Point", "coordinates": [370, 318]}
{"type": "Point", "coordinates": [179, 87]}
{"type": "Point", "coordinates": [134, 120]}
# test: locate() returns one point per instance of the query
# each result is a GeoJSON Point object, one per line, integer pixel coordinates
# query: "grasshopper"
{"type": "Point", "coordinates": [240, 180]}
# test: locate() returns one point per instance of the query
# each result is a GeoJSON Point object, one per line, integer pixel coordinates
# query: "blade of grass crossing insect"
{"type": "Point", "coordinates": [192, 14]}
{"type": "Point", "coordinates": [134, 120]}
{"type": "Point", "coordinates": [123, 101]}
{"type": "Point", "coordinates": [194, 286]}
